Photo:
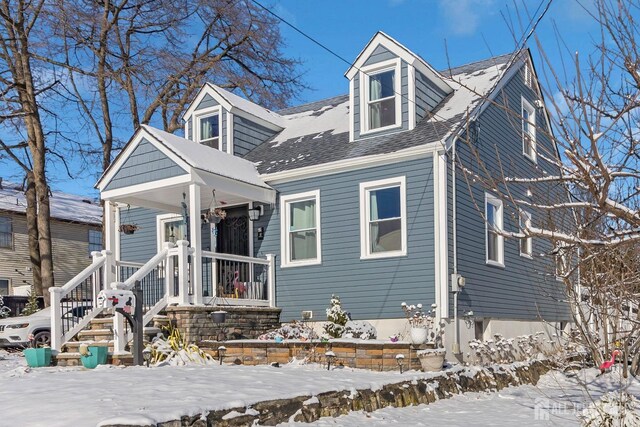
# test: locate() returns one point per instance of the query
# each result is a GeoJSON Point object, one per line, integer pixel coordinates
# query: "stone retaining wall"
{"type": "Point", "coordinates": [376, 356]}
{"type": "Point", "coordinates": [336, 403]}
{"type": "Point", "coordinates": [195, 324]}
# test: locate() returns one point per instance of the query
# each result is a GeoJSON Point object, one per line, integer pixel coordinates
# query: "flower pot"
{"type": "Point", "coordinates": [128, 228]}
{"type": "Point", "coordinates": [419, 335]}
{"type": "Point", "coordinates": [97, 356]}
{"type": "Point", "coordinates": [431, 359]}
{"type": "Point", "coordinates": [219, 316]}
{"type": "Point", "coordinates": [37, 357]}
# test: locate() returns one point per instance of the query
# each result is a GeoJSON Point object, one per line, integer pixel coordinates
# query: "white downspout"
{"type": "Point", "coordinates": [454, 231]}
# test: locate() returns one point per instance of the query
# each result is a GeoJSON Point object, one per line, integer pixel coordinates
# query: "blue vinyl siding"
{"type": "Point", "coordinates": [247, 135]}
{"type": "Point", "coordinates": [428, 96]}
{"type": "Point", "coordinates": [525, 288]}
{"type": "Point", "coordinates": [380, 54]}
{"type": "Point", "coordinates": [207, 101]}
{"type": "Point", "coordinates": [368, 288]}
{"type": "Point", "coordinates": [146, 164]}
{"type": "Point", "coordinates": [140, 246]}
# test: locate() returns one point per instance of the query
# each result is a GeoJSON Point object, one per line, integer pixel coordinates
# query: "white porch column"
{"type": "Point", "coordinates": [110, 227]}
{"type": "Point", "coordinates": [196, 242]}
{"type": "Point", "coordinates": [271, 280]}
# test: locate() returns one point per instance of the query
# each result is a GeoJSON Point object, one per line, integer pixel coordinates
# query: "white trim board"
{"type": "Point", "coordinates": [285, 248]}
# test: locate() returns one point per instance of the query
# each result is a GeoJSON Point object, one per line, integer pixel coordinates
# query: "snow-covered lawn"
{"type": "Point", "coordinates": [79, 397]}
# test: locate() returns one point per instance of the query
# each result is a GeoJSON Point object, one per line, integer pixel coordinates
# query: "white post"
{"type": "Point", "coordinates": [169, 273]}
{"type": "Point", "coordinates": [119, 335]}
{"type": "Point", "coordinates": [95, 277]}
{"type": "Point", "coordinates": [271, 281]}
{"type": "Point", "coordinates": [56, 319]}
{"type": "Point", "coordinates": [196, 242]}
{"type": "Point", "coordinates": [183, 272]}
{"type": "Point", "coordinates": [110, 226]}
{"type": "Point", "coordinates": [110, 269]}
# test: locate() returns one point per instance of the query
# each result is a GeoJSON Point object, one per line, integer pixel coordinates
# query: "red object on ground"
{"type": "Point", "coordinates": [609, 363]}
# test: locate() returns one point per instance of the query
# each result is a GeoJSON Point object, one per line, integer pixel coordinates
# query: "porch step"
{"type": "Point", "coordinates": [73, 359]}
{"type": "Point", "coordinates": [102, 323]}
{"type": "Point", "coordinates": [73, 346]}
{"type": "Point", "coordinates": [100, 335]}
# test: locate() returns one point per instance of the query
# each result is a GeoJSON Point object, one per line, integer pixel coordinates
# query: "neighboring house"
{"type": "Point", "coordinates": [76, 230]}
{"type": "Point", "coordinates": [353, 195]}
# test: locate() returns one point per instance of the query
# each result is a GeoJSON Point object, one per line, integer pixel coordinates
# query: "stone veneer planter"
{"type": "Point", "coordinates": [374, 355]}
{"type": "Point", "coordinates": [406, 392]}
{"type": "Point", "coordinates": [195, 323]}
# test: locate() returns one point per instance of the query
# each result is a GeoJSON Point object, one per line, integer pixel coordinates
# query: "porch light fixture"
{"type": "Point", "coordinates": [256, 212]}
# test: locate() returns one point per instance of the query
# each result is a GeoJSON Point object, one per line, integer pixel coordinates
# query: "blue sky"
{"type": "Point", "coordinates": [473, 30]}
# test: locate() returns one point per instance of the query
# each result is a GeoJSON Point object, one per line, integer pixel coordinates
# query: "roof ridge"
{"type": "Point", "coordinates": [283, 111]}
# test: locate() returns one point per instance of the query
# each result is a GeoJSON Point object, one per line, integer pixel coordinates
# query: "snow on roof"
{"type": "Point", "coordinates": [208, 159]}
{"type": "Point", "coordinates": [248, 106]}
{"type": "Point", "coordinates": [331, 119]}
{"type": "Point", "coordinates": [318, 132]}
{"type": "Point", "coordinates": [64, 206]}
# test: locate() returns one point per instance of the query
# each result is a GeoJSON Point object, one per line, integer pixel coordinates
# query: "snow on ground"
{"type": "Point", "coordinates": [80, 397]}
{"type": "Point", "coordinates": [554, 401]}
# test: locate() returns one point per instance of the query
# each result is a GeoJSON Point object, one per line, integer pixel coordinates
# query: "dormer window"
{"type": "Point", "coordinates": [382, 108]}
{"type": "Point", "coordinates": [208, 129]}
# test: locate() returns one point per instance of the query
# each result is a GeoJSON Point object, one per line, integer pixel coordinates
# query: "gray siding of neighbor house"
{"type": "Point", "coordinates": [146, 164]}
{"type": "Point", "coordinates": [428, 95]}
{"type": "Point", "coordinates": [369, 289]}
{"type": "Point", "coordinates": [525, 288]}
{"type": "Point", "coordinates": [70, 247]}
{"type": "Point", "coordinates": [247, 135]}
{"type": "Point", "coordinates": [140, 246]}
{"type": "Point", "coordinates": [381, 54]}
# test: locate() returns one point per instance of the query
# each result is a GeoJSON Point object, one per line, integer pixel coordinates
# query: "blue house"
{"type": "Point", "coordinates": [367, 196]}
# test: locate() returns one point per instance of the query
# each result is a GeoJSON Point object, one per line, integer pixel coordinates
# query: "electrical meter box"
{"type": "Point", "coordinates": [117, 298]}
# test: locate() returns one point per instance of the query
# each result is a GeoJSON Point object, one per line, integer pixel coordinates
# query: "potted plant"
{"type": "Point", "coordinates": [216, 215]}
{"type": "Point", "coordinates": [425, 330]}
{"type": "Point", "coordinates": [37, 357]}
{"type": "Point", "coordinates": [92, 356]}
{"type": "Point", "coordinates": [420, 321]}
{"type": "Point", "coordinates": [128, 228]}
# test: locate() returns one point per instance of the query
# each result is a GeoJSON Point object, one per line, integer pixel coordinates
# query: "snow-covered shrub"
{"type": "Point", "coordinates": [336, 318]}
{"type": "Point", "coordinates": [291, 331]}
{"type": "Point", "coordinates": [4, 310]}
{"type": "Point", "coordinates": [360, 329]}
{"type": "Point", "coordinates": [502, 350]}
{"type": "Point", "coordinates": [175, 351]}
{"type": "Point", "coordinates": [613, 409]}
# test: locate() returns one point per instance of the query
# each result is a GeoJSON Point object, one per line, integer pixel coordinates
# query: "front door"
{"type": "Point", "coordinates": [233, 232]}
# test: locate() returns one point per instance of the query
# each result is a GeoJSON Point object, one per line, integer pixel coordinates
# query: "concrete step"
{"type": "Point", "coordinates": [73, 359]}
{"type": "Point", "coordinates": [102, 323]}
{"type": "Point", "coordinates": [95, 335]}
{"type": "Point", "coordinates": [73, 346]}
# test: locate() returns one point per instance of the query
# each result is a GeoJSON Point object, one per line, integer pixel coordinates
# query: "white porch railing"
{"type": "Point", "coordinates": [167, 278]}
{"type": "Point", "coordinates": [237, 280]}
{"type": "Point", "coordinates": [74, 304]}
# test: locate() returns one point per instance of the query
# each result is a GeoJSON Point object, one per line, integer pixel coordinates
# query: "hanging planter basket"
{"type": "Point", "coordinates": [216, 215]}
{"type": "Point", "coordinates": [128, 228]}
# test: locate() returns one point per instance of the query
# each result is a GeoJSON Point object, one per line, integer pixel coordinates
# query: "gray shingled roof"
{"type": "Point", "coordinates": [276, 155]}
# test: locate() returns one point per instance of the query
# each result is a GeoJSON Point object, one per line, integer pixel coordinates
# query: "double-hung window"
{"type": "Point", "coordinates": [383, 218]}
{"type": "Point", "coordinates": [528, 130]}
{"type": "Point", "coordinates": [95, 241]}
{"type": "Point", "coordinates": [494, 239]}
{"type": "Point", "coordinates": [526, 243]}
{"type": "Point", "coordinates": [301, 229]}
{"type": "Point", "coordinates": [208, 129]}
{"type": "Point", "coordinates": [6, 233]}
{"type": "Point", "coordinates": [381, 96]}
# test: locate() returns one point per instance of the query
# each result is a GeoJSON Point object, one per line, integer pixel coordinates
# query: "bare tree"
{"type": "Point", "coordinates": [584, 192]}
{"type": "Point", "coordinates": [20, 98]}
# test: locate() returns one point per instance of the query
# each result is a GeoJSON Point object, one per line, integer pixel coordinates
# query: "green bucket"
{"type": "Point", "coordinates": [97, 356]}
{"type": "Point", "coordinates": [37, 357]}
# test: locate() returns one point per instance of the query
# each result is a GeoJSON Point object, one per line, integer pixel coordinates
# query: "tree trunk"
{"type": "Point", "coordinates": [32, 232]}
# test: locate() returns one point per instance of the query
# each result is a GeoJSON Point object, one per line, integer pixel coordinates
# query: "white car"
{"type": "Point", "coordinates": [15, 331]}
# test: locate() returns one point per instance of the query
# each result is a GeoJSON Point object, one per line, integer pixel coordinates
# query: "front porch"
{"type": "Point", "coordinates": [185, 257]}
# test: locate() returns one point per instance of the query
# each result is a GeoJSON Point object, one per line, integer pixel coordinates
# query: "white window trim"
{"type": "Point", "coordinates": [532, 130]}
{"type": "Point", "coordinates": [203, 114]}
{"type": "Point", "coordinates": [285, 200]}
{"type": "Point", "coordinates": [365, 72]}
{"type": "Point", "coordinates": [492, 200]}
{"type": "Point", "coordinates": [527, 217]}
{"type": "Point", "coordinates": [160, 220]}
{"type": "Point", "coordinates": [365, 187]}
